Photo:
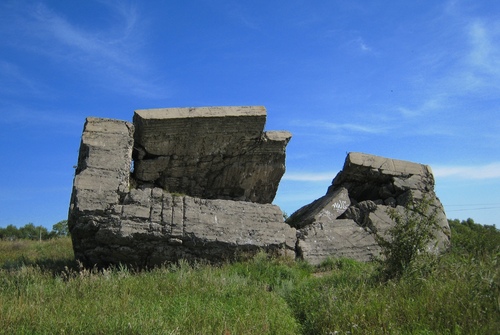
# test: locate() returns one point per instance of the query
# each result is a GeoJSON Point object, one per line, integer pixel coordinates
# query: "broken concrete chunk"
{"type": "Point", "coordinates": [336, 239]}
{"type": "Point", "coordinates": [324, 209]}
{"type": "Point", "coordinates": [210, 152]}
{"type": "Point", "coordinates": [375, 185]}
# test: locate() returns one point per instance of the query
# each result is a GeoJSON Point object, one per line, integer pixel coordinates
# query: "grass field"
{"type": "Point", "coordinates": [44, 291]}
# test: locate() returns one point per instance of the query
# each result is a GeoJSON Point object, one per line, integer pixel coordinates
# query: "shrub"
{"type": "Point", "coordinates": [409, 238]}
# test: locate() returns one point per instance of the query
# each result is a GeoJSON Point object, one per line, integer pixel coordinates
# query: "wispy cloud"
{"type": "Point", "coordinates": [53, 121]}
{"type": "Point", "coordinates": [459, 69]}
{"type": "Point", "coordinates": [110, 51]}
{"type": "Point", "coordinates": [89, 45]}
{"type": "Point", "coordinates": [485, 52]}
{"type": "Point", "coordinates": [477, 67]}
{"type": "Point", "coordinates": [488, 171]}
{"type": "Point", "coordinates": [474, 66]}
{"type": "Point", "coordinates": [363, 46]}
{"type": "Point", "coordinates": [238, 13]}
{"type": "Point", "coordinates": [431, 104]}
{"type": "Point", "coordinates": [352, 42]}
{"type": "Point", "coordinates": [13, 81]}
{"type": "Point", "coordinates": [343, 127]}
{"type": "Point", "coordinates": [309, 176]}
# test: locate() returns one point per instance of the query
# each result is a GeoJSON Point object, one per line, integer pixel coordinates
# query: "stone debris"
{"type": "Point", "coordinates": [372, 185]}
{"type": "Point", "coordinates": [335, 238]}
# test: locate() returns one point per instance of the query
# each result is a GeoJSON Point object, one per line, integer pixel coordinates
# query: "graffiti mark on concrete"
{"type": "Point", "coordinates": [340, 206]}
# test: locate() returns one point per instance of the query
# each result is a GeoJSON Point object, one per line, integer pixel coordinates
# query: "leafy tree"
{"type": "Point", "coordinates": [60, 228]}
{"type": "Point", "coordinates": [470, 238]}
{"type": "Point", "coordinates": [30, 232]}
{"type": "Point", "coordinates": [10, 232]}
{"type": "Point", "coordinates": [408, 238]}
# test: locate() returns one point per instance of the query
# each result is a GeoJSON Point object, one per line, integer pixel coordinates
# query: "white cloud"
{"type": "Point", "coordinates": [341, 127]}
{"type": "Point", "coordinates": [484, 54]}
{"type": "Point", "coordinates": [460, 70]}
{"type": "Point", "coordinates": [13, 81]}
{"type": "Point", "coordinates": [104, 44]}
{"type": "Point", "coordinates": [309, 176]}
{"type": "Point", "coordinates": [110, 51]}
{"type": "Point", "coordinates": [477, 68]}
{"type": "Point", "coordinates": [432, 103]}
{"type": "Point", "coordinates": [51, 120]}
{"type": "Point", "coordinates": [240, 14]}
{"type": "Point", "coordinates": [489, 171]}
{"type": "Point", "coordinates": [353, 42]}
{"type": "Point", "coordinates": [363, 46]}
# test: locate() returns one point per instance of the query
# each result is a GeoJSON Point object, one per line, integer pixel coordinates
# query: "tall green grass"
{"type": "Point", "coordinates": [44, 291]}
{"type": "Point", "coordinates": [171, 300]}
{"type": "Point", "coordinates": [52, 255]}
{"type": "Point", "coordinates": [458, 297]}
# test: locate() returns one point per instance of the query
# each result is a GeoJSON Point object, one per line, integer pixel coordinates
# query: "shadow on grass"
{"type": "Point", "coordinates": [54, 266]}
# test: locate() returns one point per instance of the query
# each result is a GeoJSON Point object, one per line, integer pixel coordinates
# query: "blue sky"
{"type": "Point", "coordinates": [412, 80]}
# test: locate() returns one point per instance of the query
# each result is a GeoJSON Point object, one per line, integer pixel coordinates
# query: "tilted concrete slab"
{"type": "Point", "coordinates": [210, 152]}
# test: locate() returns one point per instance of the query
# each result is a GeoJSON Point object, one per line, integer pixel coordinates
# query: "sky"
{"type": "Point", "coordinates": [410, 80]}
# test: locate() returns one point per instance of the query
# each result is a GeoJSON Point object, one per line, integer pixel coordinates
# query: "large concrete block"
{"type": "Point", "coordinates": [210, 152]}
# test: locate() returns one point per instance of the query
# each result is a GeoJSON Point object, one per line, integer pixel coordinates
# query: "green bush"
{"type": "Point", "coordinates": [409, 238]}
{"type": "Point", "coordinates": [470, 238]}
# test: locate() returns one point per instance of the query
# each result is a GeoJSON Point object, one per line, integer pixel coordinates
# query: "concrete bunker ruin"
{"type": "Point", "coordinates": [201, 188]}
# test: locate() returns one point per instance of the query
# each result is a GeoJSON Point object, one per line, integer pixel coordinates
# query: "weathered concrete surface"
{"type": "Point", "coordinates": [152, 227]}
{"type": "Point", "coordinates": [101, 178]}
{"type": "Point", "coordinates": [335, 238]}
{"type": "Point", "coordinates": [103, 169]}
{"type": "Point", "coordinates": [210, 152]}
{"type": "Point", "coordinates": [216, 156]}
{"type": "Point", "coordinates": [374, 185]}
{"type": "Point", "coordinates": [112, 222]}
{"type": "Point", "coordinates": [369, 177]}
{"type": "Point", "coordinates": [326, 208]}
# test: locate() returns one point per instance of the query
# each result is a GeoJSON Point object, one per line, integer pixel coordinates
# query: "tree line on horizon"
{"type": "Point", "coordinates": [31, 232]}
